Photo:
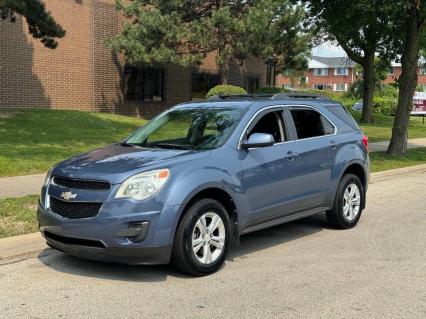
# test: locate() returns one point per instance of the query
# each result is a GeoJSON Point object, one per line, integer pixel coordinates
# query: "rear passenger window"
{"type": "Point", "coordinates": [310, 123]}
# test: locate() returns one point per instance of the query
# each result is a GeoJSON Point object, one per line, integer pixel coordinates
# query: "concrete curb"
{"type": "Point", "coordinates": [17, 246]}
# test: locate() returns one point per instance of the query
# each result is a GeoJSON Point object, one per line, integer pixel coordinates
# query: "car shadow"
{"type": "Point", "coordinates": [249, 243]}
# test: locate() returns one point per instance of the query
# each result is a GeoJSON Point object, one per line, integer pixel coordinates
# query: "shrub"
{"type": "Point", "coordinates": [225, 90]}
{"type": "Point", "coordinates": [385, 105]}
{"type": "Point", "coordinates": [271, 90]}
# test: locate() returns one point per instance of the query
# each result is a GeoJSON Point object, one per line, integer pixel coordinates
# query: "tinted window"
{"type": "Point", "coordinates": [310, 123]}
{"type": "Point", "coordinates": [270, 123]}
{"type": "Point", "coordinates": [188, 129]}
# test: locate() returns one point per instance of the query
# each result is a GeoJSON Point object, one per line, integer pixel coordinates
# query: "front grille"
{"type": "Point", "coordinates": [74, 210]}
{"type": "Point", "coordinates": [81, 184]}
{"type": "Point", "coordinates": [73, 241]}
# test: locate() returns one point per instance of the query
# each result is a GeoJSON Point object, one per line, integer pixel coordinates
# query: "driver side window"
{"type": "Point", "coordinates": [270, 123]}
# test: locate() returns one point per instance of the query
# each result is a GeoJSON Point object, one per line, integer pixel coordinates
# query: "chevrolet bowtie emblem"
{"type": "Point", "coordinates": [68, 195]}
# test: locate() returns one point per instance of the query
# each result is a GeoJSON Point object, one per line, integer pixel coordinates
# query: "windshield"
{"type": "Point", "coordinates": [195, 129]}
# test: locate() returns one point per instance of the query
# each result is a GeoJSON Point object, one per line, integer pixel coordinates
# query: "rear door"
{"type": "Point", "coordinates": [317, 149]}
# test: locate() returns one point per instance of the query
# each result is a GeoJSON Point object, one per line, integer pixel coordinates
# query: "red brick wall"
{"type": "Point", "coordinates": [33, 76]}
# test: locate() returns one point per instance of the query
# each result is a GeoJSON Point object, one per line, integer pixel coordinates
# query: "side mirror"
{"type": "Point", "coordinates": [259, 140]}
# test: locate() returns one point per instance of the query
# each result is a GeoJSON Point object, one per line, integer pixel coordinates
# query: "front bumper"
{"type": "Point", "coordinates": [98, 238]}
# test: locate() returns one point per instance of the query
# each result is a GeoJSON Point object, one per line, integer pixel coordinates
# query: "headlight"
{"type": "Point", "coordinates": [48, 175]}
{"type": "Point", "coordinates": [144, 185]}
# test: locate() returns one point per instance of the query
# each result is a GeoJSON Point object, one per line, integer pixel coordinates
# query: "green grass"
{"type": "Point", "coordinates": [381, 129]}
{"type": "Point", "coordinates": [32, 140]}
{"type": "Point", "coordinates": [18, 216]}
{"type": "Point", "coordinates": [382, 162]}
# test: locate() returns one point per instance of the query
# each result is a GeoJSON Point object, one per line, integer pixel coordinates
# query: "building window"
{"type": "Point", "coordinates": [144, 84]}
{"type": "Point", "coordinates": [252, 84]}
{"type": "Point", "coordinates": [304, 80]}
{"type": "Point", "coordinates": [340, 87]}
{"type": "Point", "coordinates": [423, 70]}
{"type": "Point", "coordinates": [341, 71]}
{"type": "Point", "coordinates": [320, 72]}
{"type": "Point", "coordinates": [202, 82]}
{"type": "Point", "coordinates": [391, 71]}
{"type": "Point", "coordinates": [320, 87]}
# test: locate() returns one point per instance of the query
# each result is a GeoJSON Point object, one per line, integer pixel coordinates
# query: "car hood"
{"type": "Point", "coordinates": [115, 163]}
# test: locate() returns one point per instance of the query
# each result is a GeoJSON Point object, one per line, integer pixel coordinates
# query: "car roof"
{"type": "Point", "coordinates": [259, 101]}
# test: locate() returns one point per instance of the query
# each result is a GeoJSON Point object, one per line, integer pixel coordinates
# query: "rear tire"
{"type": "Point", "coordinates": [348, 203]}
{"type": "Point", "coordinates": [202, 239]}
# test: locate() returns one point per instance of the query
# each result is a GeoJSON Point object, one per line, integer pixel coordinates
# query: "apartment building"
{"type": "Point", "coordinates": [324, 73]}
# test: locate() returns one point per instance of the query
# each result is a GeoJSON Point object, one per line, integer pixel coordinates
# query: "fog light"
{"type": "Point", "coordinates": [136, 232]}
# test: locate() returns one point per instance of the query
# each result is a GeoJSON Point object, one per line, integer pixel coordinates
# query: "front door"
{"type": "Point", "coordinates": [269, 177]}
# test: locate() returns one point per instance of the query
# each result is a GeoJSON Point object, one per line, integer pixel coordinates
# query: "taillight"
{"type": "Point", "coordinates": [365, 141]}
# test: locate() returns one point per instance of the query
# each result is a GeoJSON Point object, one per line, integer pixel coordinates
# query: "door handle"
{"type": "Point", "coordinates": [291, 155]}
{"type": "Point", "coordinates": [333, 144]}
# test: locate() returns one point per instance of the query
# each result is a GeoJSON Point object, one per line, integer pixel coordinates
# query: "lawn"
{"type": "Point", "coordinates": [18, 216]}
{"type": "Point", "coordinates": [382, 162]}
{"type": "Point", "coordinates": [381, 129]}
{"type": "Point", "coordinates": [31, 141]}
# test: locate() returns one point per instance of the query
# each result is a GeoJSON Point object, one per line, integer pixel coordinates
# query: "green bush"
{"type": "Point", "coordinates": [385, 105]}
{"type": "Point", "coordinates": [271, 90]}
{"type": "Point", "coordinates": [225, 90]}
{"type": "Point", "coordinates": [387, 91]}
{"type": "Point", "coordinates": [330, 94]}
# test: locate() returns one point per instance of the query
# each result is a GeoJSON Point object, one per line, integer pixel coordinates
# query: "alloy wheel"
{"type": "Point", "coordinates": [351, 202]}
{"type": "Point", "coordinates": [208, 238]}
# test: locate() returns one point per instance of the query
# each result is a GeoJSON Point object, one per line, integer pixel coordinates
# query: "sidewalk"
{"type": "Point", "coordinates": [383, 146]}
{"type": "Point", "coordinates": [17, 186]}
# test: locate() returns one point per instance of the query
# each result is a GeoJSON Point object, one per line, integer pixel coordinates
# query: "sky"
{"type": "Point", "coordinates": [328, 49]}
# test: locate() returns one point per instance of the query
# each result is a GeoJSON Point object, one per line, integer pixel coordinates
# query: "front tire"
{"type": "Point", "coordinates": [202, 238]}
{"type": "Point", "coordinates": [348, 203]}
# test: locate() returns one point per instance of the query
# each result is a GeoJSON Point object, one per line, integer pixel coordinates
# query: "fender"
{"type": "Point", "coordinates": [189, 183]}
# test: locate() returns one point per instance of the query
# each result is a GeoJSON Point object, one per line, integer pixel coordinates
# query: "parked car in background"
{"type": "Point", "coordinates": [358, 106]}
{"type": "Point", "coordinates": [195, 178]}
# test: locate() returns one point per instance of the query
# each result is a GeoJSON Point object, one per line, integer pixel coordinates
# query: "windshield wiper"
{"type": "Point", "coordinates": [171, 146]}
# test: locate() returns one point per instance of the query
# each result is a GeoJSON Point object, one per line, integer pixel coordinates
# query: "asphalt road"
{"type": "Point", "coordinates": [299, 270]}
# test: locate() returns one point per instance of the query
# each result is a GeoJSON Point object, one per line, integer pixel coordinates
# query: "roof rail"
{"type": "Point", "coordinates": [238, 96]}
{"type": "Point", "coordinates": [278, 96]}
{"type": "Point", "coordinates": [296, 95]}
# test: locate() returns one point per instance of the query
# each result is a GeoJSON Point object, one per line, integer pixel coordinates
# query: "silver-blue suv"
{"type": "Point", "coordinates": [186, 185]}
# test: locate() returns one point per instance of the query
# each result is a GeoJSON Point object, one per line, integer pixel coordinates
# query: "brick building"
{"type": "Point", "coordinates": [337, 74]}
{"type": "Point", "coordinates": [83, 74]}
{"type": "Point", "coordinates": [396, 70]}
{"type": "Point", "coordinates": [324, 73]}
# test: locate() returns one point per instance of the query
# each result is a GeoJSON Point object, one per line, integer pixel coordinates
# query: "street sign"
{"type": "Point", "coordinates": [419, 107]}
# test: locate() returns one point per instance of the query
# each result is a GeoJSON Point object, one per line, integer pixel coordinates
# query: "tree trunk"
{"type": "Point", "coordinates": [369, 87]}
{"type": "Point", "coordinates": [224, 73]}
{"type": "Point", "coordinates": [407, 85]}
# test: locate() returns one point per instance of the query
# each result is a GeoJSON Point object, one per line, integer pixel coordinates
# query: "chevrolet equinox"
{"type": "Point", "coordinates": [187, 184]}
